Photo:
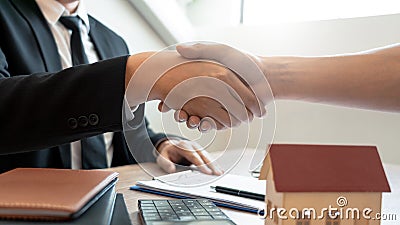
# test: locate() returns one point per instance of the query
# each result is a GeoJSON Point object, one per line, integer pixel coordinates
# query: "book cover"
{"type": "Point", "coordinates": [50, 194]}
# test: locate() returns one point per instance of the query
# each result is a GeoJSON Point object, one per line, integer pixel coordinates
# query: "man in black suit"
{"type": "Point", "coordinates": [29, 47]}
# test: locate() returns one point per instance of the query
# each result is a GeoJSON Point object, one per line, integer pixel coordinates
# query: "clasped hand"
{"type": "Point", "coordinates": [241, 72]}
{"type": "Point", "coordinates": [223, 92]}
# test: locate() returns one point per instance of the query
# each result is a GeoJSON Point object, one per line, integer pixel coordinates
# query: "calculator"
{"type": "Point", "coordinates": [182, 211]}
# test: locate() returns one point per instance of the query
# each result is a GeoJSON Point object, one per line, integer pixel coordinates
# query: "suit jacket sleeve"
{"type": "Point", "coordinates": [48, 109]}
{"type": "Point", "coordinates": [143, 140]}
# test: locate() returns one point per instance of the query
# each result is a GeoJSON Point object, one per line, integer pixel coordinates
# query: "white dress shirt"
{"type": "Point", "coordinates": [52, 11]}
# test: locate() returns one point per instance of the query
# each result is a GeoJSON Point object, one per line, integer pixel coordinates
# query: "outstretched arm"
{"type": "Point", "coordinates": [368, 80]}
{"type": "Point", "coordinates": [45, 109]}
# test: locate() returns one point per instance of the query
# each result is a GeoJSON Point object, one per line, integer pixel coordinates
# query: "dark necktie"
{"type": "Point", "coordinates": [93, 148]}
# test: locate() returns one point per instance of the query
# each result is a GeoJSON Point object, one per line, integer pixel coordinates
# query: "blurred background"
{"type": "Point", "coordinates": [270, 27]}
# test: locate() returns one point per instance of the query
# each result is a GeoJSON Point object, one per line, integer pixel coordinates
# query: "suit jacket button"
{"type": "Point", "coordinates": [83, 121]}
{"type": "Point", "coordinates": [93, 119]}
{"type": "Point", "coordinates": [72, 123]}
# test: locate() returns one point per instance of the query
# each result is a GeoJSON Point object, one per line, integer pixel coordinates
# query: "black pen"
{"type": "Point", "coordinates": [244, 194]}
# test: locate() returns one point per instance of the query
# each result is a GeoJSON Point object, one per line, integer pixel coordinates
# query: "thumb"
{"type": "Point", "coordinates": [208, 51]}
{"type": "Point", "coordinates": [166, 164]}
{"type": "Point", "coordinates": [163, 107]}
{"type": "Point", "coordinates": [189, 51]}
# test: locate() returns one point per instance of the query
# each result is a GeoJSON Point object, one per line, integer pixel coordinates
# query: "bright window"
{"type": "Point", "coordinates": [258, 12]}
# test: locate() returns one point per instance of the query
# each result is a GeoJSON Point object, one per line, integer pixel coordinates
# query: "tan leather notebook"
{"type": "Point", "coordinates": [50, 194]}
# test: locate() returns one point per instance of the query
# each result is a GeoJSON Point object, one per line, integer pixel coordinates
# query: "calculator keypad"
{"type": "Point", "coordinates": [180, 210]}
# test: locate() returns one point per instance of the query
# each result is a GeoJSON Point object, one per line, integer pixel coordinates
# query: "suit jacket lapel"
{"type": "Point", "coordinates": [30, 10]}
{"type": "Point", "coordinates": [102, 46]}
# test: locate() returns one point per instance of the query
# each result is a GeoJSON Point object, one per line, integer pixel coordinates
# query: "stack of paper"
{"type": "Point", "coordinates": [164, 185]}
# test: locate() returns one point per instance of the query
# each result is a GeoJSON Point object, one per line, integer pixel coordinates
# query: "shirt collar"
{"type": "Point", "coordinates": [52, 10]}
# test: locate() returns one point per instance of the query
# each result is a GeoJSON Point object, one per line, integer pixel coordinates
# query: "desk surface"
{"type": "Point", "coordinates": [132, 173]}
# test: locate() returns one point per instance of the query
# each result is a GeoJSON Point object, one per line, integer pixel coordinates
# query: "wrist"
{"type": "Point", "coordinates": [145, 75]}
{"type": "Point", "coordinates": [277, 74]}
{"type": "Point", "coordinates": [135, 82]}
{"type": "Point", "coordinates": [159, 146]}
{"type": "Point", "coordinates": [166, 142]}
{"type": "Point", "coordinates": [162, 145]}
{"type": "Point", "coordinates": [133, 63]}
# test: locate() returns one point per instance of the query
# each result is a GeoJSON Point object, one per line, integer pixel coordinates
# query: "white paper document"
{"type": "Point", "coordinates": [160, 185]}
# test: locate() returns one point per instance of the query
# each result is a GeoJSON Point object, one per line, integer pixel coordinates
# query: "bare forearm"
{"type": "Point", "coordinates": [368, 80]}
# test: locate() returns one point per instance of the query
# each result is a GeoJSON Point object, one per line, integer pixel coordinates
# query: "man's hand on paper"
{"type": "Point", "coordinates": [186, 153]}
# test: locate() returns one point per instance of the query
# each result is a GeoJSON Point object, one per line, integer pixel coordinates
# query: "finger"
{"type": "Point", "coordinates": [193, 122]}
{"type": "Point", "coordinates": [241, 63]}
{"type": "Point", "coordinates": [189, 51]}
{"type": "Point", "coordinates": [250, 116]}
{"type": "Point", "coordinates": [163, 107]}
{"type": "Point", "coordinates": [208, 123]}
{"type": "Point", "coordinates": [238, 111]}
{"type": "Point", "coordinates": [166, 164]}
{"type": "Point", "coordinates": [224, 117]}
{"type": "Point", "coordinates": [191, 155]}
{"type": "Point", "coordinates": [210, 108]}
{"type": "Point", "coordinates": [203, 51]}
{"type": "Point", "coordinates": [204, 156]}
{"type": "Point", "coordinates": [215, 170]}
{"type": "Point", "coordinates": [245, 96]}
{"type": "Point", "coordinates": [217, 119]}
{"type": "Point", "coordinates": [181, 116]}
{"type": "Point", "coordinates": [264, 113]}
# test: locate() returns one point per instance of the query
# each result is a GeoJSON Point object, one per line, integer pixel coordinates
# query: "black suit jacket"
{"type": "Point", "coordinates": [39, 110]}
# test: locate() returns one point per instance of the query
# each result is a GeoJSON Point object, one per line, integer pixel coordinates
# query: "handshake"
{"type": "Point", "coordinates": [210, 86]}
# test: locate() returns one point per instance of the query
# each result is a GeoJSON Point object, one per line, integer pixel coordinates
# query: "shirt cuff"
{"type": "Point", "coordinates": [128, 116]}
{"type": "Point", "coordinates": [129, 110]}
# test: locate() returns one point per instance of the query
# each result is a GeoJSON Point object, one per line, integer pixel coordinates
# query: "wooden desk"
{"type": "Point", "coordinates": [132, 173]}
